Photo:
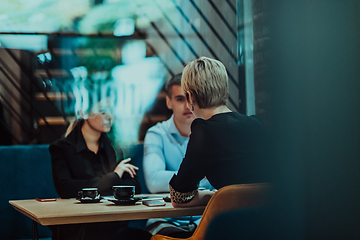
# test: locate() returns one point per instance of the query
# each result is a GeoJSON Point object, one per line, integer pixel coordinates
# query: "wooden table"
{"type": "Point", "coordinates": [70, 211]}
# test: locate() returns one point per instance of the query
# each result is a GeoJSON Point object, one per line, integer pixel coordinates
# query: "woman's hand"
{"type": "Point", "coordinates": [124, 166]}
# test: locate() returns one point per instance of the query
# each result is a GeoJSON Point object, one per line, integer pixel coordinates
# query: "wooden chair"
{"type": "Point", "coordinates": [225, 199]}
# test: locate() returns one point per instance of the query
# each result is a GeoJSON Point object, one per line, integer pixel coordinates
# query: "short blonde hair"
{"type": "Point", "coordinates": [207, 80]}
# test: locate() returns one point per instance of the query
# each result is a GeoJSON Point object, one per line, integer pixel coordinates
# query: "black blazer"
{"type": "Point", "coordinates": [72, 169]}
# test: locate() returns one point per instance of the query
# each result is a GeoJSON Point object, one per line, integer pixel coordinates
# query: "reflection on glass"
{"type": "Point", "coordinates": [133, 88]}
{"type": "Point", "coordinates": [124, 27]}
{"type": "Point", "coordinates": [137, 83]}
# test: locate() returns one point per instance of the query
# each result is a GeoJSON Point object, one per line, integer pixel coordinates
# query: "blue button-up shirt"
{"type": "Point", "coordinates": [164, 149]}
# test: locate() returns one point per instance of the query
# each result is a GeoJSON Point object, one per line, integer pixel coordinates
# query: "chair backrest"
{"type": "Point", "coordinates": [137, 156]}
{"type": "Point", "coordinates": [229, 198]}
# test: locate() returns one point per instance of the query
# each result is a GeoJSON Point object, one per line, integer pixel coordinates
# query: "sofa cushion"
{"type": "Point", "coordinates": [137, 156]}
{"type": "Point", "coordinates": [25, 173]}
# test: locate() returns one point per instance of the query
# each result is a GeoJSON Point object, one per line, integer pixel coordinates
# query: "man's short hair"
{"type": "Point", "coordinates": [175, 80]}
{"type": "Point", "coordinates": [207, 81]}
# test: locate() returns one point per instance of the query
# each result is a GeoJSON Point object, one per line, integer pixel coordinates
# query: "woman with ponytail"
{"type": "Point", "coordinates": [85, 158]}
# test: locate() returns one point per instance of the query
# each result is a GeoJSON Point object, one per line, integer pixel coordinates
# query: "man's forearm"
{"type": "Point", "coordinates": [158, 181]}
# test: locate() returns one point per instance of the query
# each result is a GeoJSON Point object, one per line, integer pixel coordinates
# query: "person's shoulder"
{"type": "Point", "coordinates": [231, 119]}
{"type": "Point", "coordinates": [157, 134]}
{"type": "Point", "coordinates": [240, 117]}
{"type": "Point", "coordinates": [199, 121]}
{"type": "Point", "coordinates": [257, 120]}
{"type": "Point", "coordinates": [59, 144]}
{"type": "Point", "coordinates": [198, 124]}
{"type": "Point", "coordinates": [249, 122]}
{"type": "Point", "coordinates": [64, 141]}
{"type": "Point", "coordinates": [160, 127]}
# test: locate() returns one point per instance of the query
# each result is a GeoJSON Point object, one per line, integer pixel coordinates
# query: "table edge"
{"type": "Point", "coordinates": [46, 221]}
{"type": "Point", "coordinates": [24, 211]}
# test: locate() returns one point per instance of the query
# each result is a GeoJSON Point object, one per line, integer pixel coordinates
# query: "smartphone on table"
{"type": "Point", "coordinates": [154, 203]}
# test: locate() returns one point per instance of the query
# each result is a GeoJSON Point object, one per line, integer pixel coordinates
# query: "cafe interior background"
{"type": "Point", "coordinates": [294, 64]}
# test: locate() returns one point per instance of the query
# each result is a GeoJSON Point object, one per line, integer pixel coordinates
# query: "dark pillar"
{"type": "Point", "coordinates": [315, 92]}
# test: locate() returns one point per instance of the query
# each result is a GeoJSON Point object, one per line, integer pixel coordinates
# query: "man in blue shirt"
{"type": "Point", "coordinates": [165, 143]}
{"type": "Point", "coordinates": [164, 149]}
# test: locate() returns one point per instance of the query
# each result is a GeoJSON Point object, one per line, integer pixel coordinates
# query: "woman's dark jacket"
{"type": "Point", "coordinates": [75, 167]}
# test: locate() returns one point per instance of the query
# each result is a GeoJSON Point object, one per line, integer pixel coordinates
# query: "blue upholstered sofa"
{"type": "Point", "coordinates": [25, 173]}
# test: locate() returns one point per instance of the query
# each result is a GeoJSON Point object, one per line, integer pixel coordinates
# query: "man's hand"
{"type": "Point", "coordinates": [124, 166]}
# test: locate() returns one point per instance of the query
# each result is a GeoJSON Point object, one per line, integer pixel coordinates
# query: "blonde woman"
{"type": "Point", "coordinates": [225, 147]}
